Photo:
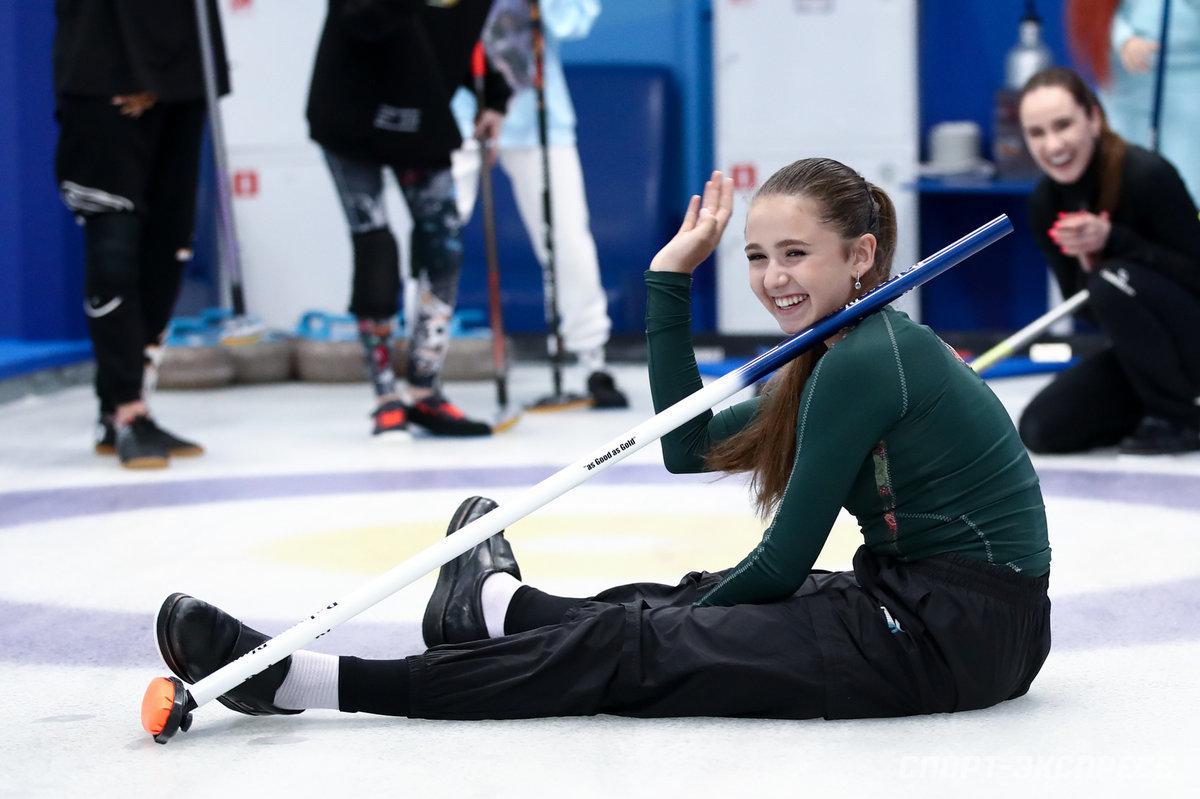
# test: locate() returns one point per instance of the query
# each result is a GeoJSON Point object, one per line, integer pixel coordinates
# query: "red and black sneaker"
{"type": "Point", "coordinates": [391, 422]}
{"type": "Point", "coordinates": [442, 418]}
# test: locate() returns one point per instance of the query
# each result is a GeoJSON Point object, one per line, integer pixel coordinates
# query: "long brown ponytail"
{"type": "Point", "coordinates": [766, 448]}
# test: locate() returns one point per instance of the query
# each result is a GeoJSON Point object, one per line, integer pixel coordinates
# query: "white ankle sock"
{"type": "Point", "coordinates": [497, 592]}
{"type": "Point", "coordinates": [311, 682]}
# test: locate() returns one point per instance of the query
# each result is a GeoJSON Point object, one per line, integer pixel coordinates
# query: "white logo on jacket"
{"type": "Point", "coordinates": [398, 120]}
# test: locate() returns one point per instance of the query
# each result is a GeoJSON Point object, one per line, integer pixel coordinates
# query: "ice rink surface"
{"type": "Point", "coordinates": [293, 506]}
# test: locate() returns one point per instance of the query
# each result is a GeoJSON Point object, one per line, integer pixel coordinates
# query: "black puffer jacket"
{"type": "Point", "coordinates": [384, 74]}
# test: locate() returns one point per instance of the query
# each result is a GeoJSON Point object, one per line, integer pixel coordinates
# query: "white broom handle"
{"type": "Point", "coordinates": [337, 613]}
{"type": "Point", "coordinates": [1028, 333]}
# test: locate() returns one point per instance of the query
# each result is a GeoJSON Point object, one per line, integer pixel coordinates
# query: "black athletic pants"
{"type": "Point", "coordinates": [132, 183]}
{"type": "Point", "coordinates": [1152, 366]}
{"type": "Point", "coordinates": [888, 639]}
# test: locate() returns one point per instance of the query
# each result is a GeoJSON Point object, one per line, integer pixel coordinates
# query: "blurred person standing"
{"type": "Point", "coordinates": [1118, 41]}
{"type": "Point", "coordinates": [384, 74]}
{"type": "Point", "coordinates": [581, 302]}
{"type": "Point", "coordinates": [130, 104]}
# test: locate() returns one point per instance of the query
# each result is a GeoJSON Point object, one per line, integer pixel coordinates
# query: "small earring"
{"type": "Point", "coordinates": [857, 283]}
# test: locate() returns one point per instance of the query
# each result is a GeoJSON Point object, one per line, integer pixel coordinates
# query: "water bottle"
{"type": "Point", "coordinates": [1030, 54]}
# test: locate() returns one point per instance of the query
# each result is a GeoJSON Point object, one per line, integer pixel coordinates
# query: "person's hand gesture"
{"type": "Point", "coordinates": [701, 230]}
{"type": "Point", "coordinates": [487, 132]}
{"type": "Point", "coordinates": [1083, 235]}
{"type": "Point", "coordinates": [1137, 54]}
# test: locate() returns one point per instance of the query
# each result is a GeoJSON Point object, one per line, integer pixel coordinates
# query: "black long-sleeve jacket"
{"type": "Point", "coordinates": [384, 74]}
{"type": "Point", "coordinates": [104, 48]}
{"type": "Point", "coordinates": [1155, 222]}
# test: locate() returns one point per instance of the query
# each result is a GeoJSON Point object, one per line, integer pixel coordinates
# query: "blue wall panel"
{"type": "Point", "coordinates": [963, 48]}
{"type": "Point", "coordinates": [963, 44]}
{"type": "Point", "coordinates": [10, 190]}
{"type": "Point", "coordinates": [40, 250]}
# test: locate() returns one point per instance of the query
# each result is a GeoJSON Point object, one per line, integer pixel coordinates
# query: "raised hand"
{"type": "Point", "coordinates": [703, 223]}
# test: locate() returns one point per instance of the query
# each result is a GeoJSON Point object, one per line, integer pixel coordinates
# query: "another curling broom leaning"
{"type": "Point", "coordinates": [241, 329]}
{"type": "Point", "coordinates": [1028, 333]}
{"type": "Point", "coordinates": [559, 400]}
{"type": "Point", "coordinates": [504, 420]}
{"type": "Point", "coordinates": [168, 703]}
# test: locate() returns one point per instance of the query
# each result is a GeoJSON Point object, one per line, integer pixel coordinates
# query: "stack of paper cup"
{"type": "Point", "coordinates": [954, 146]}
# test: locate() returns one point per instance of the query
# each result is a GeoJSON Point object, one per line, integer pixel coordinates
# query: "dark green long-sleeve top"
{"type": "Point", "coordinates": [892, 426]}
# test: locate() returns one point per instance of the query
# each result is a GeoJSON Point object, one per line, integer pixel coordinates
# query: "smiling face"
{"type": "Point", "coordinates": [800, 268]}
{"type": "Point", "coordinates": [1060, 133]}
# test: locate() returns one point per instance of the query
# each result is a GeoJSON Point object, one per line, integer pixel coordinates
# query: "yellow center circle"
{"type": "Point", "coordinates": [597, 546]}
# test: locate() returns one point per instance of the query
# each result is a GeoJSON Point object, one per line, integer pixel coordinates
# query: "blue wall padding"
{"type": "Point", "coordinates": [24, 357]}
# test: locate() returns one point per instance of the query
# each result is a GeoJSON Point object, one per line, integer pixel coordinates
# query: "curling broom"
{"type": "Point", "coordinates": [1028, 333]}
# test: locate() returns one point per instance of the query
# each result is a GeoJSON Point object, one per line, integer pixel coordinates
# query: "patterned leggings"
{"type": "Point", "coordinates": [436, 254]}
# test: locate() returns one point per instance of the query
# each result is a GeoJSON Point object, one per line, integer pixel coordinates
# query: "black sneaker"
{"type": "Point", "coordinates": [604, 392]}
{"type": "Point", "coordinates": [176, 447]}
{"type": "Point", "coordinates": [442, 418]}
{"type": "Point", "coordinates": [1157, 436]}
{"type": "Point", "coordinates": [106, 440]}
{"type": "Point", "coordinates": [391, 422]}
{"type": "Point", "coordinates": [106, 436]}
{"type": "Point", "coordinates": [454, 614]}
{"type": "Point", "coordinates": [196, 638]}
{"type": "Point", "coordinates": [139, 445]}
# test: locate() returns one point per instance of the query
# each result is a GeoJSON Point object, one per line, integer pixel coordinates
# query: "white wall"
{"type": "Point", "coordinates": [293, 241]}
{"type": "Point", "coordinates": [805, 78]}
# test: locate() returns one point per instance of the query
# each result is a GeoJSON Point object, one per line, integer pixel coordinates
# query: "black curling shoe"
{"type": "Point", "coordinates": [604, 392]}
{"type": "Point", "coordinates": [1158, 436]}
{"type": "Point", "coordinates": [139, 447]}
{"type": "Point", "coordinates": [176, 447]}
{"type": "Point", "coordinates": [454, 614]}
{"type": "Point", "coordinates": [144, 445]}
{"type": "Point", "coordinates": [196, 638]}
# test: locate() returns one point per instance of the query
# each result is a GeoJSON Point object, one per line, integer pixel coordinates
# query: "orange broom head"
{"type": "Point", "coordinates": [157, 704]}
